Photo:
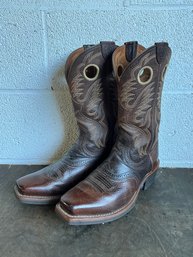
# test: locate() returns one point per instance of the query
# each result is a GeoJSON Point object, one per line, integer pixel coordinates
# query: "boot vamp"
{"type": "Point", "coordinates": [59, 177]}
{"type": "Point", "coordinates": [109, 188]}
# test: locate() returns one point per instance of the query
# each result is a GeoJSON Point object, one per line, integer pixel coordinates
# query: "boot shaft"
{"type": "Point", "coordinates": [93, 90]}
{"type": "Point", "coordinates": [140, 74]}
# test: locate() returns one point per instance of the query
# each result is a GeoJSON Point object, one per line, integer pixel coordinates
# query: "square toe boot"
{"type": "Point", "coordinates": [111, 190]}
{"type": "Point", "coordinates": [89, 74]}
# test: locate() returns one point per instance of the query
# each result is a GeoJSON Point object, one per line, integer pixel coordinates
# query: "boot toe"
{"type": "Point", "coordinates": [33, 185]}
{"type": "Point", "coordinates": [85, 200]}
{"type": "Point", "coordinates": [39, 191]}
{"type": "Point", "coordinates": [25, 186]}
{"type": "Point", "coordinates": [76, 202]}
{"type": "Point", "coordinates": [20, 186]}
{"type": "Point", "coordinates": [80, 200]}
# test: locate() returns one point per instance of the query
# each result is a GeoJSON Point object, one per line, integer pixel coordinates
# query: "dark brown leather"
{"type": "Point", "coordinates": [95, 107]}
{"type": "Point", "coordinates": [115, 182]}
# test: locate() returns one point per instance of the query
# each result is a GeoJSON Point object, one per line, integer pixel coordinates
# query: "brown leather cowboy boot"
{"type": "Point", "coordinates": [92, 86]}
{"type": "Point", "coordinates": [111, 190]}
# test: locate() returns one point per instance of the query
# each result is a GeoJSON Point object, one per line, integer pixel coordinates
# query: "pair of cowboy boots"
{"type": "Point", "coordinates": [116, 94]}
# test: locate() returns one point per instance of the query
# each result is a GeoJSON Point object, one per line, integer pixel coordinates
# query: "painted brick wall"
{"type": "Point", "coordinates": [37, 123]}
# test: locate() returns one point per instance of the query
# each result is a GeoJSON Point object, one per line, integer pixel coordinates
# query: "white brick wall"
{"type": "Point", "coordinates": [37, 124]}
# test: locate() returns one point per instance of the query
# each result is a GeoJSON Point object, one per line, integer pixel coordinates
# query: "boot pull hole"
{"type": "Point", "coordinates": [164, 72]}
{"type": "Point", "coordinates": [145, 75]}
{"type": "Point", "coordinates": [91, 72]}
{"type": "Point", "coordinates": [119, 70]}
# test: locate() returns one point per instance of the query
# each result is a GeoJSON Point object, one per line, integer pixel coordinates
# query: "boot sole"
{"type": "Point", "coordinates": [36, 200]}
{"type": "Point", "coordinates": [104, 218]}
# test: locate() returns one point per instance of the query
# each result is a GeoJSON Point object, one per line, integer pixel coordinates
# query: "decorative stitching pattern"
{"type": "Point", "coordinates": [138, 123]}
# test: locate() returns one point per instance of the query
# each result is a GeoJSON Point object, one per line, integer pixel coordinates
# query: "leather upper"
{"type": "Point", "coordinates": [95, 107]}
{"type": "Point", "coordinates": [115, 182]}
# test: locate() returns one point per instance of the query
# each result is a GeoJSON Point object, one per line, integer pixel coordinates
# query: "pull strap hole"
{"type": "Point", "coordinates": [91, 72]}
{"type": "Point", "coordinates": [145, 75]}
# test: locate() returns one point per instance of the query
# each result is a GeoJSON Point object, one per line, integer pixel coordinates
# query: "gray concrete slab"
{"type": "Point", "coordinates": [160, 225]}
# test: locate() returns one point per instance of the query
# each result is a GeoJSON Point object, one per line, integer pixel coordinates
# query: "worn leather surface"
{"type": "Point", "coordinates": [95, 107]}
{"type": "Point", "coordinates": [113, 184]}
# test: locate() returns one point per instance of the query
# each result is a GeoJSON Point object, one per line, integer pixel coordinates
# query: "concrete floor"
{"type": "Point", "coordinates": [160, 225]}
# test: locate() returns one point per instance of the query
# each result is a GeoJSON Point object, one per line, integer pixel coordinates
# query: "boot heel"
{"type": "Point", "coordinates": [150, 180]}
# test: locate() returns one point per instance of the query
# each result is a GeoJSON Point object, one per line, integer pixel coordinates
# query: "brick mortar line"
{"type": "Point", "coordinates": [125, 6]}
